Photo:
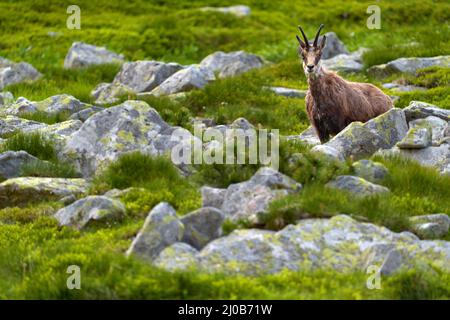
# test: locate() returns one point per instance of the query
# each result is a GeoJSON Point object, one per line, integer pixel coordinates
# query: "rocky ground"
{"type": "Point", "coordinates": [88, 179]}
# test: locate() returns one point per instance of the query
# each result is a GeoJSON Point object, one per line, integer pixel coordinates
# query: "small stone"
{"type": "Point", "coordinates": [416, 138]}
{"type": "Point", "coordinates": [370, 170]}
{"type": "Point", "coordinates": [11, 163]}
{"type": "Point", "coordinates": [176, 257]}
{"type": "Point", "coordinates": [288, 92]}
{"type": "Point", "coordinates": [329, 152]}
{"type": "Point", "coordinates": [431, 226]}
{"type": "Point", "coordinates": [357, 186]}
{"type": "Point", "coordinates": [231, 64]}
{"type": "Point", "coordinates": [237, 10]}
{"type": "Point", "coordinates": [83, 55]}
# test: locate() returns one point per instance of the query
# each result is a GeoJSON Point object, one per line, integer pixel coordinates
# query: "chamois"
{"type": "Point", "coordinates": [332, 102]}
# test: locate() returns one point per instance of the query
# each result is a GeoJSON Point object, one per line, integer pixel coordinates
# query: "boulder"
{"type": "Point", "coordinates": [109, 93]}
{"type": "Point", "coordinates": [402, 88]}
{"type": "Point", "coordinates": [420, 110]}
{"type": "Point", "coordinates": [202, 226]}
{"type": "Point", "coordinates": [130, 126]}
{"type": "Point", "coordinates": [21, 191]}
{"type": "Point", "coordinates": [345, 62]}
{"type": "Point", "coordinates": [176, 257]}
{"type": "Point", "coordinates": [62, 103]}
{"type": "Point", "coordinates": [160, 230]}
{"type": "Point", "coordinates": [357, 186]}
{"type": "Point", "coordinates": [192, 77]}
{"type": "Point", "coordinates": [360, 140]}
{"type": "Point", "coordinates": [84, 114]}
{"type": "Point", "coordinates": [408, 65]}
{"type": "Point", "coordinates": [432, 226]}
{"type": "Point", "coordinates": [212, 197]}
{"type": "Point", "coordinates": [83, 55]}
{"type": "Point", "coordinates": [288, 92]}
{"type": "Point", "coordinates": [250, 199]}
{"type": "Point", "coordinates": [418, 137]}
{"type": "Point", "coordinates": [86, 211]}
{"type": "Point", "coordinates": [327, 151]}
{"type": "Point", "coordinates": [437, 125]}
{"type": "Point", "coordinates": [12, 124]}
{"type": "Point", "coordinates": [6, 98]}
{"type": "Point", "coordinates": [333, 46]}
{"type": "Point", "coordinates": [237, 10]}
{"type": "Point", "coordinates": [308, 136]}
{"type": "Point", "coordinates": [231, 64]}
{"type": "Point", "coordinates": [339, 243]}
{"type": "Point", "coordinates": [13, 73]}
{"type": "Point", "coordinates": [11, 163]}
{"type": "Point", "coordinates": [370, 170]}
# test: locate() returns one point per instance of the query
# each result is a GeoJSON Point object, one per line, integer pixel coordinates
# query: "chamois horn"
{"type": "Point", "coordinates": [317, 35]}
{"type": "Point", "coordinates": [304, 36]}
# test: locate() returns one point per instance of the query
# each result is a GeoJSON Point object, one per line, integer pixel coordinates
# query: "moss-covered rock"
{"type": "Point", "coordinates": [356, 185]}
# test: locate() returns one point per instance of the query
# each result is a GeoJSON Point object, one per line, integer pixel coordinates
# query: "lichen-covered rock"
{"type": "Point", "coordinates": [11, 163]}
{"type": "Point", "coordinates": [231, 64]}
{"type": "Point", "coordinates": [432, 226]}
{"type": "Point", "coordinates": [437, 125]}
{"type": "Point", "coordinates": [143, 76]}
{"type": "Point", "coordinates": [327, 151]}
{"type": "Point", "coordinates": [178, 256]}
{"type": "Point", "coordinates": [212, 197]}
{"type": "Point", "coordinates": [250, 199]}
{"type": "Point", "coordinates": [408, 65]}
{"type": "Point", "coordinates": [56, 104]}
{"type": "Point", "coordinates": [370, 170]}
{"type": "Point", "coordinates": [130, 126]}
{"type": "Point", "coordinates": [6, 98]}
{"type": "Point", "coordinates": [11, 124]}
{"type": "Point", "coordinates": [339, 243]}
{"type": "Point", "coordinates": [288, 92]}
{"type": "Point", "coordinates": [435, 156]}
{"type": "Point", "coordinates": [21, 191]}
{"type": "Point", "coordinates": [237, 10]}
{"type": "Point", "coordinates": [357, 186]}
{"type": "Point", "coordinates": [402, 88]}
{"type": "Point", "coordinates": [383, 132]}
{"type": "Point", "coordinates": [91, 209]}
{"type": "Point", "coordinates": [65, 128]}
{"type": "Point", "coordinates": [161, 229]}
{"type": "Point", "coordinates": [345, 62]}
{"type": "Point", "coordinates": [202, 225]}
{"type": "Point", "coordinates": [83, 55]}
{"type": "Point", "coordinates": [308, 136]}
{"type": "Point", "coordinates": [84, 114]}
{"type": "Point", "coordinates": [416, 138]}
{"type": "Point", "coordinates": [13, 73]}
{"type": "Point", "coordinates": [109, 93]}
{"type": "Point", "coordinates": [190, 78]}
{"type": "Point", "coordinates": [420, 110]}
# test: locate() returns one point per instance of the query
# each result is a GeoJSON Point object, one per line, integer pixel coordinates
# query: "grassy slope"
{"type": "Point", "coordinates": [35, 266]}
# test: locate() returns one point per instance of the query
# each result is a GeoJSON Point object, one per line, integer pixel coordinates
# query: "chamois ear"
{"type": "Point", "coordinates": [302, 44]}
{"type": "Point", "coordinates": [323, 42]}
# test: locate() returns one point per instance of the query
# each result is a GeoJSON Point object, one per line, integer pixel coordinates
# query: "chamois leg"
{"type": "Point", "coordinates": [322, 132]}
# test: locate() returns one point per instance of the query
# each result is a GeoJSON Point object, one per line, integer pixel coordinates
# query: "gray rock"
{"type": "Point", "coordinates": [160, 230]}
{"type": "Point", "coordinates": [176, 257]}
{"type": "Point", "coordinates": [109, 93]}
{"type": "Point", "coordinates": [357, 186]}
{"type": "Point", "coordinates": [52, 105]}
{"type": "Point", "coordinates": [419, 110]}
{"type": "Point", "coordinates": [329, 152]}
{"type": "Point", "coordinates": [408, 65]}
{"type": "Point", "coordinates": [212, 197]}
{"type": "Point", "coordinates": [250, 199]}
{"type": "Point", "coordinates": [430, 226]}
{"type": "Point", "coordinates": [84, 114]}
{"type": "Point", "coordinates": [360, 140]}
{"type": "Point", "coordinates": [418, 137]}
{"type": "Point", "coordinates": [6, 98]}
{"type": "Point", "coordinates": [437, 157]}
{"type": "Point", "coordinates": [130, 126]}
{"type": "Point", "coordinates": [241, 123]}
{"type": "Point", "coordinates": [21, 191]}
{"type": "Point", "coordinates": [237, 10]}
{"type": "Point", "coordinates": [83, 55]}
{"type": "Point", "coordinates": [11, 163]}
{"type": "Point", "coordinates": [370, 170]}
{"type": "Point", "coordinates": [333, 46]}
{"type": "Point", "coordinates": [143, 76]}
{"type": "Point", "coordinates": [11, 124]}
{"type": "Point", "coordinates": [202, 226]}
{"type": "Point", "coordinates": [438, 127]}
{"type": "Point", "coordinates": [231, 64]}
{"type": "Point", "coordinates": [190, 78]}
{"type": "Point", "coordinates": [345, 62]}
{"type": "Point", "coordinates": [402, 88]}
{"type": "Point", "coordinates": [288, 92]}
{"type": "Point", "coordinates": [91, 209]}
{"type": "Point", "coordinates": [13, 73]}
{"type": "Point", "coordinates": [339, 243]}
{"type": "Point", "coordinates": [308, 136]}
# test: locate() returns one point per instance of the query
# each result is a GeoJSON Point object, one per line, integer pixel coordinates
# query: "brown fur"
{"type": "Point", "coordinates": [332, 103]}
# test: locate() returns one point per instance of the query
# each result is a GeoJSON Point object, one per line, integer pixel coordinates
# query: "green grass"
{"type": "Point", "coordinates": [36, 252]}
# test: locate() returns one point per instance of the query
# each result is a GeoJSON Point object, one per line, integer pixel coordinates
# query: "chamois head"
{"type": "Point", "coordinates": [311, 53]}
